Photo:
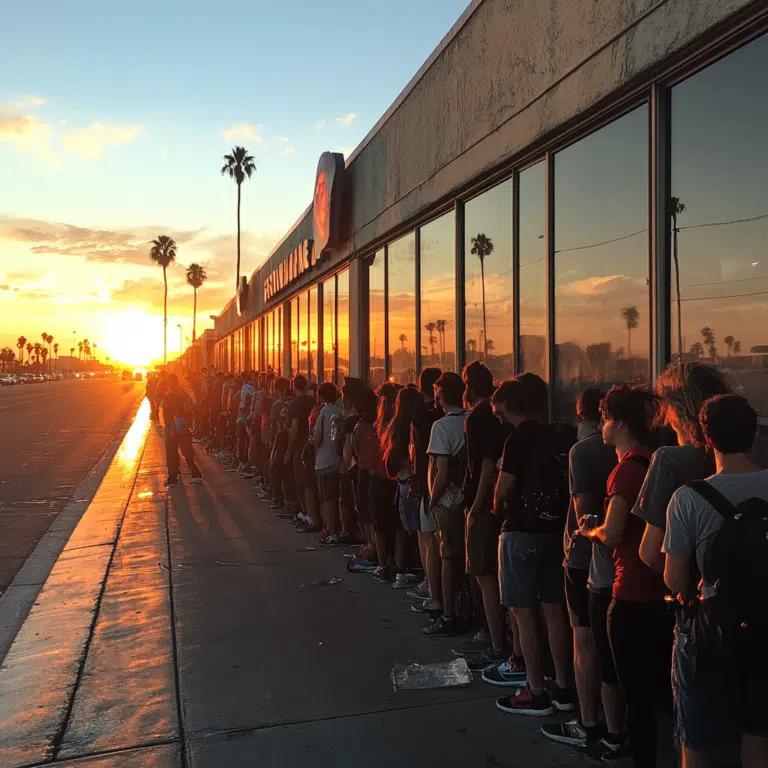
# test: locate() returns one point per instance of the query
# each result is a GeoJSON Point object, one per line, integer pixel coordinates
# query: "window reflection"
{"type": "Point", "coordinates": [376, 320]}
{"type": "Point", "coordinates": [488, 268]}
{"type": "Point", "coordinates": [313, 333]}
{"type": "Point", "coordinates": [329, 329]}
{"type": "Point", "coordinates": [719, 220]}
{"type": "Point", "coordinates": [302, 338]}
{"type": "Point", "coordinates": [294, 336]}
{"type": "Point", "coordinates": [401, 307]}
{"type": "Point", "coordinates": [533, 270]}
{"type": "Point", "coordinates": [342, 310]}
{"type": "Point", "coordinates": [601, 260]}
{"type": "Point", "coordinates": [438, 293]}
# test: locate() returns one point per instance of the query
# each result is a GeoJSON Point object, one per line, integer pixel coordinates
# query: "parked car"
{"type": "Point", "coordinates": [7, 380]}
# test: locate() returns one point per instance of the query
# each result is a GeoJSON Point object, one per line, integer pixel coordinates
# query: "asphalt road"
{"type": "Point", "coordinates": [51, 436]}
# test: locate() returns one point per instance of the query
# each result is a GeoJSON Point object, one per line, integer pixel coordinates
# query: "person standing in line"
{"type": "Point", "coordinates": [327, 461]}
{"type": "Point", "coordinates": [178, 412]}
{"type": "Point", "coordinates": [720, 701]}
{"type": "Point", "coordinates": [247, 393]}
{"type": "Point", "coordinates": [638, 619]}
{"type": "Point", "coordinates": [447, 467]}
{"type": "Point", "coordinates": [351, 525]}
{"type": "Point", "coordinates": [590, 463]}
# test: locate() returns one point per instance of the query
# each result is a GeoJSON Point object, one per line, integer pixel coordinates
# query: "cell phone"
{"type": "Point", "coordinates": [591, 521]}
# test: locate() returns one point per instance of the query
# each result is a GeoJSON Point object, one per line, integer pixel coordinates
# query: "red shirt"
{"type": "Point", "coordinates": [634, 581]}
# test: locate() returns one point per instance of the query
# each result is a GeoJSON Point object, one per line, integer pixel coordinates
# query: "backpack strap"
{"type": "Point", "coordinates": [643, 461]}
{"type": "Point", "coordinates": [710, 494]}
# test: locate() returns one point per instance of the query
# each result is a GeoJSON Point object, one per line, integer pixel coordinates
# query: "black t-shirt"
{"type": "Point", "coordinates": [300, 409]}
{"type": "Point", "coordinates": [484, 441]}
{"type": "Point", "coordinates": [421, 429]}
{"type": "Point", "coordinates": [176, 404]}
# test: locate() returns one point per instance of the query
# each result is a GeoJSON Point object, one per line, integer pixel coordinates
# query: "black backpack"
{"type": "Point", "coordinates": [732, 624]}
{"type": "Point", "coordinates": [544, 491]}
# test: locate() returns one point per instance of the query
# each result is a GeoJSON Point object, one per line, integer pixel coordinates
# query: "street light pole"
{"type": "Point", "coordinates": [178, 325]}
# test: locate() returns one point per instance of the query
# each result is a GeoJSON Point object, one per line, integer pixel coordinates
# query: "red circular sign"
{"type": "Point", "coordinates": [321, 212]}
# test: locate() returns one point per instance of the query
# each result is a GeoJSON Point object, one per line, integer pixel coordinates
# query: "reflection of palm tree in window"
{"type": "Point", "coordinates": [490, 346]}
{"type": "Point", "coordinates": [631, 316]}
{"type": "Point", "coordinates": [709, 339]}
{"type": "Point", "coordinates": [472, 347]}
{"type": "Point", "coordinates": [431, 327]}
{"type": "Point", "coordinates": [441, 326]}
{"type": "Point", "coordinates": [736, 347]}
{"type": "Point", "coordinates": [402, 338]}
{"type": "Point", "coordinates": [675, 209]}
{"type": "Point", "coordinates": [728, 341]}
{"type": "Point", "coordinates": [697, 350]}
{"type": "Point", "coordinates": [482, 247]}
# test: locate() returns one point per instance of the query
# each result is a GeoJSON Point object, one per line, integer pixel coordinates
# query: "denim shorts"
{"type": "Point", "coordinates": [408, 508]}
{"type": "Point", "coordinates": [530, 569]}
{"type": "Point", "coordinates": [427, 522]}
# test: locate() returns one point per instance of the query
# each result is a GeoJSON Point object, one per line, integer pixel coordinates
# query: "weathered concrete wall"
{"type": "Point", "coordinates": [515, 72]}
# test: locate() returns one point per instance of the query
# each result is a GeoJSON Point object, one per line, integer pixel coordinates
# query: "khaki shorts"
{"type": "Point", "coordinates": [450, 530]}
{"type": "Point", "coordinates": [483, 544]}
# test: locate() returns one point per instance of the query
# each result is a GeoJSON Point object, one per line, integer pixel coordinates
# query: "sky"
{"type": "Point", "coordinates": [114, 118]}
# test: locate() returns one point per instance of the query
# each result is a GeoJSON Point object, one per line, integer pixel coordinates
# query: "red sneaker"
{"type": "Point", "coordinates": [526, 702]}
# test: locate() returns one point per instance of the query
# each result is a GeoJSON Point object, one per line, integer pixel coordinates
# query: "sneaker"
{"type": "Point", "coordinates": [404, 580]}
{"type": "Point", "coordinates": [171, 480]}
{"type": "Point", "coordinates": [442, 626]}
{"type": "Point", "coordinates": [433, 607]}
{"type": "Point", "coordinates": [526, 702]}
{"type": "Point", "coordinates": [509, 673]}
{"type": "Point", "coordinates": [328, 541]}
{"type": "Point", "coordinates": [571, 732]}
{"type": "Point", "coordinates": [310, 527]}
{"type": "Point", "coordinates": [197, 440]}
{"type": "Point", "coordinates": [383, 574]}
{"type": "Point", "coordinates": [487, 658]}
{"type": "Point", "coordinates": [248, 475]}
{"type": "Point", "coordinates": [475, 644]}
{"type": "Point", "coordinates": [277, 506]}
{"type": "Point", "coordinates": [324, 533]}
{"type": "Point", "coordinates": [598, 747]}
{"type": "Point", "coordinates": [196, 481]}
{"type": "Point", "coordinates": [301, 516]}
{"type": "Point", "coordinates": [562, 698]}
{"type": "Point", "coordinates": [361, 565]}
{"type": "Point", "coordinates": [622, 754]}
{"type": "Point", "coordinates": [419, 592]}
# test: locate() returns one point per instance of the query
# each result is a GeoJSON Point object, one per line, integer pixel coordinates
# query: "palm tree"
{"type": "Point", "coordinates": [7, 356]}
{"type": "Point", "coordinates": [709, 339]}
{"type": "Point", "coordinates": [728, 341]}
{"type": "Point", "coordinates": [43, 354]}
{"type": "Point", "coordinates": [238, 165]}
{"type": "Point", "coordinates": [86, 349]}
{"type": "Point", "coordinates": [441, 326]}
{"type": "Point", "coordinates": [736, 347]}
{"type": "Point", "coordinates": [675, 209]}
{"type": "Point", "coordinates": [20, 342]}
{"type": "Point", "coordinates": [163, 252]}
{"type": "Point", "coordinates": [490, 346]}
{"type": "Point", "coordinates": [482, 247]}
{"type": "Point", "coordinates": [56, 351]}
{"type": "Point", "coordinates": [697, 350]}
{"type": "Point", "coordinates": [37, 348]}
{"type": "Point", "coordinates": [196, 276]}
{"type": "Point", "coordinates": [29, 349]}
{"type": "Point", "coordinates": [431, 327]}
{"type": "Point", "coordinates": [402, 338]}
{"type": "Point", "coordinates": [80, 351]}
{"type": "Point", "coordinates": [631, 316]}
{"type": "Point", "coordinates": [472, 347]}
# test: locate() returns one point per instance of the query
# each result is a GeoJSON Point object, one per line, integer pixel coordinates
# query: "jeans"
{"type": "Point", "coordinates": [175, 442]}
{"type": "Point", "coordinates": [641, 642]}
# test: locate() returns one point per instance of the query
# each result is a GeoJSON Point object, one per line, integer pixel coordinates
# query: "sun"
{"type": "Point", "coordinates": [134, 338]}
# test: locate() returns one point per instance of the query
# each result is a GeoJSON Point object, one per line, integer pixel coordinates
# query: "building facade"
{"type": "Point", "coordinates": [573, 188]}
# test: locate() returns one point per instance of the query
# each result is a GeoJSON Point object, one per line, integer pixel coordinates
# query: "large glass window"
{"type": "Point", "coordinates": [314, 317]}
{"type": "Point", "coordinates": [342, 309]}
{"type": "Point", "coordinates": [268, 340]}
{"type": "Point", "coordinates": [279, 332]}
{"type": "Point", "coordinates": [488, 280]}
{"type": "Point", "coordinates": [303, 342]}
{"type": "Point", "coordinates": [401, 309]}
{"type": "Point", "coordinates": [601, 260]}
{"type": "Point", "coordinates": [533, 270]}
{"type": "Point", "coordinates": [294, 336]}
{"type": "Point", "coordinates": [329, 330]}
{"type": "Point", "coordinates": [376, 320]}
{"type": "Point", "coordinates": [719, 220]}
{"type": "Point", "coordinates": [438, 293]}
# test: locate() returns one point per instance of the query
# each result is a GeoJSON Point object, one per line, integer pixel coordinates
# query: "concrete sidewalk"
{"type": "Point", "coordinates": [206, 644]}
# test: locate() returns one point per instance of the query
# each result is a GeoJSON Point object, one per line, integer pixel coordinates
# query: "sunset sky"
{"type": "Point", "coordinates": [113, 122]}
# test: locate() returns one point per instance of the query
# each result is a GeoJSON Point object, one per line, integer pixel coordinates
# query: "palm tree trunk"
{"type": "Point", "coordinates": [194, 316]}
{"type": "Point", "coordinates": [677, 289]}
{"type": "Point", "coordinates": [237, 285]}
{"type": "Point", "coordinates": [165, 317]}
{"type": "Point", "coordinates": [485, 331]}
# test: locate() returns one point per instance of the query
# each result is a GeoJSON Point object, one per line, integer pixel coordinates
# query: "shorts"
{"type": "Point", "coordinates": [382, 503]}
{"type": "Point", "coordinates": [346, 495]}
{"type": "Point", "coordinates": [483, 544]}
{"type": "Point", "coordinates": [599, 601]}
{"type": "Point", "coordinates": [362, 501]}
{"type": "Point", "coordinates": [450, 529]}
{"type": "Point", "coordinates": [408, 507]}
{"type": "Point", "coordinates": [427, 522]}
{"type": "Point", "coordinates": [530, 569]}
{"type": "Point", "coordinates": [328, 485]}
{"type": "Point", "coordinates": [305, 478]}
{"type": "Point", "coordinates": [242, 430]}
{"type": "Point", "coordinates": [577, 596]}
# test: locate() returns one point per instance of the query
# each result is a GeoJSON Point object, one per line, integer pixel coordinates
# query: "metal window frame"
{"type": "Point", "coordinates": [460, 274]}
{"type": "Point", "coordinates": [516, 357]}
{"type": "Point", "coordinates": [417, 260]}
{"type": "Point", "coordinates": [550, 362]}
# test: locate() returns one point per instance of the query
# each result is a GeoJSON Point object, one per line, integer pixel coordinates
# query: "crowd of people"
{"type": "Point", "coordinates": [611, 569]}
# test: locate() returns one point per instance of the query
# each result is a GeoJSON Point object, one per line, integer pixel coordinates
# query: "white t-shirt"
{"type": "Point", "coordinates": [447, 439]}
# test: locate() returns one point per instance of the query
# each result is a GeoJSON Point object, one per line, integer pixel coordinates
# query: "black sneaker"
{"type": "Point", "coordinates": [620, 755]}
{"type": "Point", "coordinates": [597, 747]}
{"type": "Point", "coordinates": [488, 658]}
{"type": "Point", "coordinates": [571, 732]}
{"type": "Point", "coordinates": [383, 574]}
{"type": "Point", "coordinates": [442, 626]}
{"type": "Point", "coordinates": [563, 699]}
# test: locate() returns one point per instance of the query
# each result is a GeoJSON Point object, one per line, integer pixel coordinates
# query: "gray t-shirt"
{"type": "Point", "coordinates": [327, 453]}
{"type": "Point", "coordinates": [447, 439]}
{"type": "Point", "coordinates": [671, 467]}
{"type": "Point", "coordinates": [590, 462]}
{"type": "Point", "coordinates": [692, 521]}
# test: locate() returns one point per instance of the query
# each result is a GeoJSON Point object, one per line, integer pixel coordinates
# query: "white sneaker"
{"type": "Point", "coordinates": [419, 592]}
{"type": "Point", "coordinates": [196, 481]}
{"type": "Point", "coordinates": [404, 580]}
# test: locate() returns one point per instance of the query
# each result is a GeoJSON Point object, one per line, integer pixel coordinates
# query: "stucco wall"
{"type": "Point", "coordinates": [512, 74]}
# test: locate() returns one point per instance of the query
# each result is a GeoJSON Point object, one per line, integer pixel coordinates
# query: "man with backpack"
{"type": "Point", "coordinates": [532, 495]}
{"type": "Point", "coordinates": [716, 544]}
{"type": "Point", "coordinates": [447, 467]}
{"type": "Point", "coordinates": [328, 459]}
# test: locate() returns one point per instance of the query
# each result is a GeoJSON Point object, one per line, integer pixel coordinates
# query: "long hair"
{"type": "Point", "coordinates": [397, 434]}
{"type": "Point", "coordinates": [387, 394]}
{"type": "Point", "coordinates": [683, 390]}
